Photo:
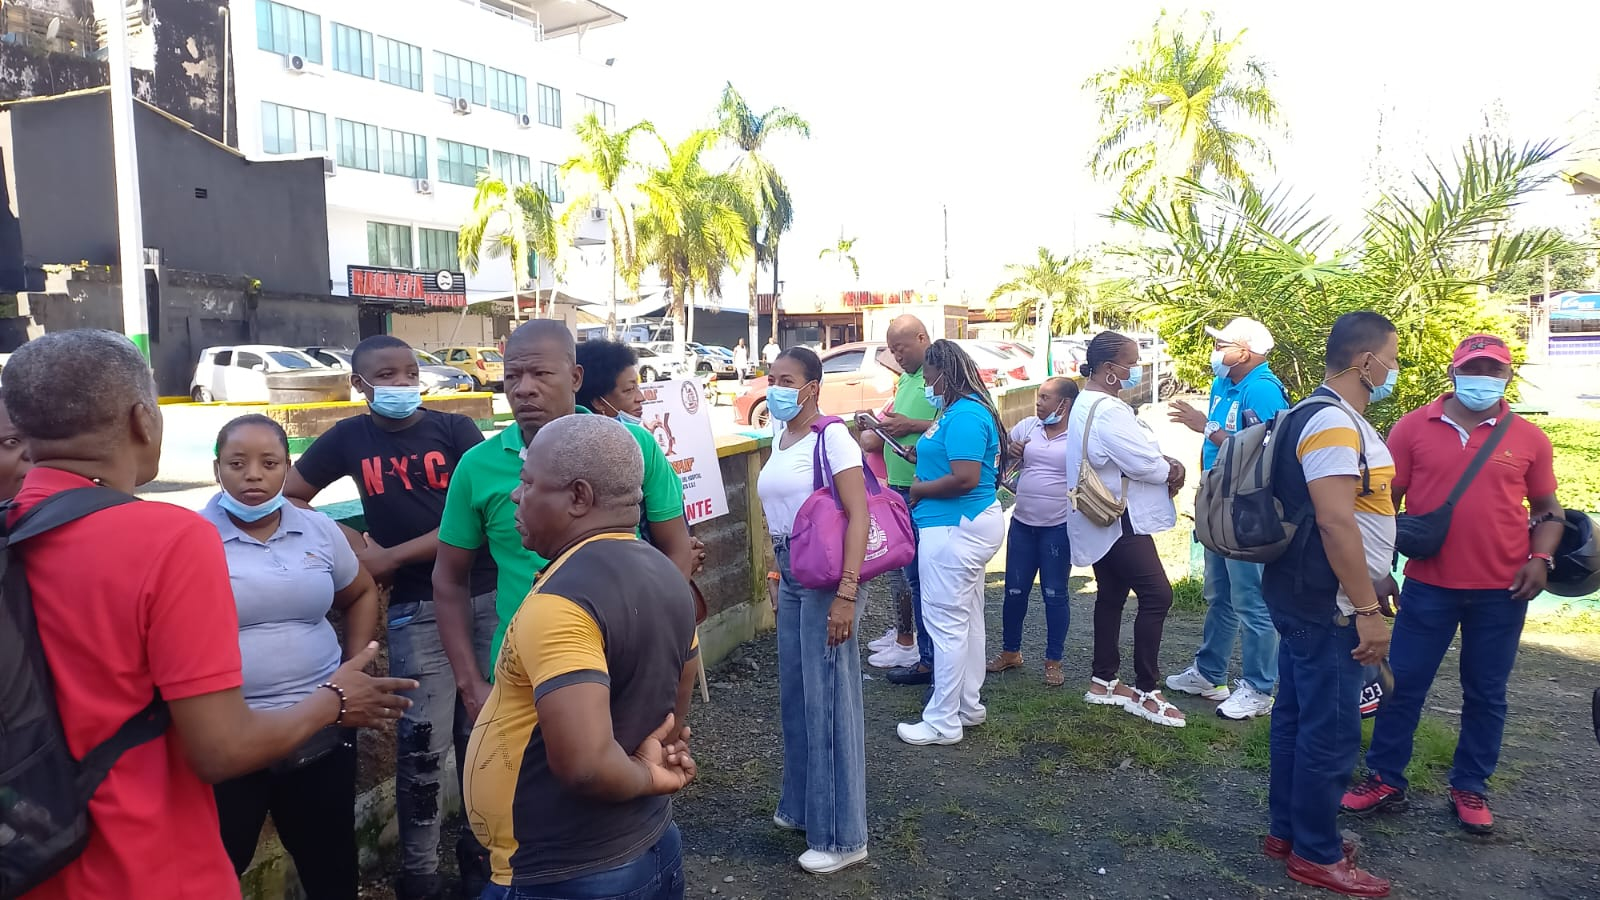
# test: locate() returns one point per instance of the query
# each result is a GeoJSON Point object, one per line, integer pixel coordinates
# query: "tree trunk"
{"type": "Point", "coordinates": [611, 324]}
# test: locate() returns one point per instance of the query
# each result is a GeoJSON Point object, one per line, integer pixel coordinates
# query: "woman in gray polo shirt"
{"type": "Point", "coordinates": [289, 566]}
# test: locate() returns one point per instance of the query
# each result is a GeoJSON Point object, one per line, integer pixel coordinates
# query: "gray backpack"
{"type": "Point", "coordinates": [1237, 513]}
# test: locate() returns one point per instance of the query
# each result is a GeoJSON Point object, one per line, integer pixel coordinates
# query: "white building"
{"type": "Point", "coordinates": [409, 100]}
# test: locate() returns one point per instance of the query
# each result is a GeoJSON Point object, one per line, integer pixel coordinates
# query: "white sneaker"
{"type": "Point", "coordinates": [1245, 703]}
{"type": "Point", "coordinates": [785, 824]}
{"type": "Point", "coordinates": [921, 734]}
{"type": "Point", "coordinates": [896, 656]}
{"type": "Point", "coordinates": [821, 862]}
{"type": "Point", "coordinates": [889, 639]}
{"type": "Point", "coordinates": [1190, 681]}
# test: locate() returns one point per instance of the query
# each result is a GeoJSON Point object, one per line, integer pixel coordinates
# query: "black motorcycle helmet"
{"type": "Point", "coordinates": [1577, 570]}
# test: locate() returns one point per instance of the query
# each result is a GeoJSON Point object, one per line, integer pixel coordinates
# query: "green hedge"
{"type": "Point", "coordinates": [1577, 446]}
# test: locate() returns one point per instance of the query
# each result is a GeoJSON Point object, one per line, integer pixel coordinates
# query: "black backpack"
{"type": "Point", "coordinates": [44, 791]}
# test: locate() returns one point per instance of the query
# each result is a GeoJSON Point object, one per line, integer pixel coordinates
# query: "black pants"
{"type": "Point", "coordinates": [314, 810]}
{"type": "Point", "coordinates": [1131, 564]}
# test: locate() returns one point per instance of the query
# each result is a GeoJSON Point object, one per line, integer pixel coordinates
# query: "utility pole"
{"type": "Point", "coordinates": [125, 168]}
{"type": "Point", "coordinates": [946, 208]}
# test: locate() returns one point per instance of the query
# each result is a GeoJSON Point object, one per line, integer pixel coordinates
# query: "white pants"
{"type": "Point", "coordinates": [950, 561]}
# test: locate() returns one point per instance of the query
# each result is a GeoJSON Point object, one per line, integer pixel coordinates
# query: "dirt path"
{"type": "Point", "coordinates": [1053, 798]}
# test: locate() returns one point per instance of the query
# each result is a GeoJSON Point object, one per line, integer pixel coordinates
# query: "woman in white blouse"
{"type": "Point", "coordinates": [824, 791]}
{"type": "Point", "coordinates": [1125, 456]}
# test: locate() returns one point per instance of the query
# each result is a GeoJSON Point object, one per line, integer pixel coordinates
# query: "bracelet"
{"type": "Point", "coordinates": [774, 576]}
{"type": "Point", "coordinates": [1372, 610]}
{"type": "Point", "coordinates": [342, 699]}
{"type": "Point", "coordinates": [838, 596]}
{"type": "Point", "coordinates": [1549, 561]}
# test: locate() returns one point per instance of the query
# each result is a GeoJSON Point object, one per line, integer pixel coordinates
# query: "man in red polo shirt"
{"type": "Point", "coordinates": [136, 599]}
{"type": "Point", "coordinates": [1480, 581]}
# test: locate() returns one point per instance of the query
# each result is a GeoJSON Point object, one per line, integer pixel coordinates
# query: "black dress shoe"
{"type": "Point", "coordinates": [917, 674]}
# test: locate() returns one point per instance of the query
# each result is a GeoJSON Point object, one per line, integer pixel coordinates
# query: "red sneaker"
{"type": "Point", "coordinates": [1472, 811]}
{"type": "Point", "coordinates": [1280, 848]}
{"type": "Point", "coordinates": [1372, 796]}
{"type": "Point", "coordinates": [1342, 878]}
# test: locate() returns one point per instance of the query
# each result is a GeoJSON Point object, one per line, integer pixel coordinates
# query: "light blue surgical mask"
{"type": "Point", "coordinates": [783, 403]}
{"type": "Point", "coordinates": [628, 418]}
{"type": "Point", "coordinates": [1218, 367]}
{"type": "Point", "coordinates": [1134, 379]}
{"type": "Point", "coordinates": [1055, 417]}
{"type": "Point", "coordinates": [936, 401]}
{"type": "Point", "coordinates": [395, 402]}
{"type": "Point", "coordinates": [1479, 392]}
{"type": "Point", "coordinates": [244, 513]}
{"type": "Point", "coordinates": [1383, 391]}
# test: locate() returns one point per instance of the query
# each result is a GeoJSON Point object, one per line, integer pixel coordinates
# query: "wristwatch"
{"type": "Point", "coordinates": [1549, 561]}
{"type": "Point", "coordinates": [1211, 426]}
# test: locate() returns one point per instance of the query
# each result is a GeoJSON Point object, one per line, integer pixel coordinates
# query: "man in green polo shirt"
{"type": "Point", "coordinates": [908, 341]}
{"type": "Point", "coordinates": [541, 381]}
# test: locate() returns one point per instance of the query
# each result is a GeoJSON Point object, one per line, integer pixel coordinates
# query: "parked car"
{"type": "Point", "coordinates": [484, 365]}
{"type": "Point", "coordinates": [434, 376]}
{"type": "Point", "coordinates": [708, 359]}
{"type": "Point", "coordinates": [263, 373]}
{"type": "Point", "coordinates": [854, 377]}
{"type": "Point", "coordinates": [655, 366]}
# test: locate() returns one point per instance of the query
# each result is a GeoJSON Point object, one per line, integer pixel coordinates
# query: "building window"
{"type": "Point", "coordinates": [285, 30]}
{"type": "Point", "coordinates": [352, 50]}
{"type": "Point", "coordinates": [399, 63]}
{"type": "Point", "coordinates": [358, 145]}
{"type": "Point", "coordinates": [508, 92]}
{"type": "Point", "coordinates": [389, 245]}
{"type": "Point", "coordinates": [512, 168]}
{"type": "Point", "coordinates": [461, 163]}
{"type": "Point", "coordinates": [285, 129]}
{"type": "Point", "coordinates": [605, 113]}
{"type": "Point", "coordinates": [549, 105]}
{"type": "Point", "coordinates": [457, 77]}
{"type": "Point", "coordinates": [405, 154]}
{"type": "Point", "coordinates": [550, 179]}
{"type": "Point", "coordinates": [438, 249]}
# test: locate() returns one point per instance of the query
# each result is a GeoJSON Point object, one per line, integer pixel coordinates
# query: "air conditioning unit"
{"type": "Point", "coordinates": [294, 64]}
{"type": "Point", "coordinates": [424, 186]}
{"type": "Point", "coordinates": [524, 121]}
{"type": "Point", "coordinates": [328, 168]}
{"type": "Point", "coordinates": [461, 106]}
{"type": "Point", "coordinates": [597, 214]}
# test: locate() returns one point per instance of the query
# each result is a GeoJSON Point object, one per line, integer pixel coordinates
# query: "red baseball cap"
{"type": "Point", "coordinates": [1481, 346]}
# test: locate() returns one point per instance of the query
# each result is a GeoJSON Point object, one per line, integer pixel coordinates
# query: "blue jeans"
{"type": "Point", "coordinates": [1491, 628]}
{"type": "Point", "coordinates": [1037, 550]}
{"type": "Point", "coordinates": [1234, 604]}
{"type": "Point", "coordinates": [434, 721]}
{"type": "Point", "coordinates": [1316, 734]}
{"type": "Point", "coordinates": [924, 643]}
{"type": "Point", "coordinates": [824, 720]}
{"type": "Point", "coordinates": [656, 874]}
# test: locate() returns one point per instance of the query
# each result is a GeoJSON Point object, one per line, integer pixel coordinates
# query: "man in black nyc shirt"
{"type": "Point", "coordinates": [401, 456]}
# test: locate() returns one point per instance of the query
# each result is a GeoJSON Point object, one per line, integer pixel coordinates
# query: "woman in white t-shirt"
{"type": "Point", "coordinates": [1129, 462]}
{"type": "Point", "coordinates": [824, 789]}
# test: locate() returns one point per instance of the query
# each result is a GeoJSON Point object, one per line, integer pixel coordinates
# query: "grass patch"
{"type": "Point", "coordinates": [905, 834]}
{"type": "Point", "coordinates": [1433, 749]}
{"type": "Point", "coordinates": [1565, 619]}
{"type": "Point", "coordinates": [1577, 446]}
{"type": "Point", "coordinates": [1189, 593]}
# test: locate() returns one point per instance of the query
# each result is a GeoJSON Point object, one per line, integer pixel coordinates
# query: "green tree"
{"type": "Point", "coordinates": [692, 227]}
{"type": "Point", "coordinates": [1177, 111]}
{"type": "Point", "coordinates": [509, 221]}
{"type": "Point", "coordinates": [1423, 260]}
{"type": "Point", "coordinates": [1568, 271]}
{"type": "Point", "coordinates": [1060, 284]}
{"type": "Point", "coordinates": [843, 253]}
{"type": "Point", "coordinates": [767, 203]}
{"type": "Point", "coordinates": [608, 174]}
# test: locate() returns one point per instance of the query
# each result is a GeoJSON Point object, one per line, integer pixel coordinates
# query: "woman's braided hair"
{"type": "Point", "coordinates": [1103, 348]}
{"type": "Point", "coordinates": [961, 375]}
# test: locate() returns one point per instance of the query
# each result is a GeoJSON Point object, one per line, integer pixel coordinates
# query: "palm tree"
{"type": "Point", "coordinates": [509, 221]}
{"type": "Point", "coordinates": [1174, 112]}
{"type": "Point", "coordinates": [609, 172]}
{"type": "Point", "coordinates": [769, 207]}
{"type": "Point", "coordinates": [691, 228]}
{"type": "Point", "coordinates": [843, 255]}
{"type": "Point", "coordinates": [1053, 290]}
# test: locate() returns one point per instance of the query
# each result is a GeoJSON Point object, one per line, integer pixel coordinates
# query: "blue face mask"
{"type": "Point", "coordinates": [1055, 417]}
{"type": "Point", "coordinates": [628, 418]}
{"type": "Point", "coordinates": [1382, 391]}
{"type": "Point", "coordinates": [1218, 367]}
{"type": "Point", "coordinates": [395, 402]}
{"type": "Point", "coordinates": [1479, 392]}
{"type": "Point", "coordinates": [244, 513]}
{"type": "Point", "coordinates": [783, 403]}
{"type": "Point", "coordinates": [1134, 379]}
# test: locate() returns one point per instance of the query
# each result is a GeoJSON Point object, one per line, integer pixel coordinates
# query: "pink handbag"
{"type": "Point", "coordinates": [816, 545]}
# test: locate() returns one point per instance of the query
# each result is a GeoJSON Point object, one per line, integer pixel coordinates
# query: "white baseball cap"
{"type": "Point", "coordinates": [1246, 333]}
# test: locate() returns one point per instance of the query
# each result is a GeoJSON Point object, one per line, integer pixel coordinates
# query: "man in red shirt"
{"type": "Point", "coordinates": [136, 599]}
{"type": "Point", "coordinates": [1480, 581]}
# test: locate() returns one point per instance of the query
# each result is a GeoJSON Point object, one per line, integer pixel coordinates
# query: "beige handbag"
{"type": "Point", "coordinates": [1091, 497]}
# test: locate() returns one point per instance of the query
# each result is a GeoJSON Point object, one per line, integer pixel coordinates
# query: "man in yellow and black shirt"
{"type": "Point", "coordinates": [574, 758]}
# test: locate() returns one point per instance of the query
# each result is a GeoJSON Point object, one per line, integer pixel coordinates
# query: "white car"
{"type": "Point", "coordinates": [264, 373]}
{"type": "Point", "coordinates": [655, 367]}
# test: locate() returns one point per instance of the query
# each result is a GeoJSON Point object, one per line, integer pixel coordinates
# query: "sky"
{"type": "Point", "coordinates": [979, 107]}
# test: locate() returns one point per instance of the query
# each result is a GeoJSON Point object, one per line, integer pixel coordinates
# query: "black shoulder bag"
{"type": "Point", "coordinates": [1419, 537]}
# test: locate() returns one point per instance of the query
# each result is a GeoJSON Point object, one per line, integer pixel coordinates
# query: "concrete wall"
{"type": "Point", "coordinates": [204, 208]}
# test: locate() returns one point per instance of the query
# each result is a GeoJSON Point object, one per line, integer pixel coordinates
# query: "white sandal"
{"type": "Point", "coordinates": [1157, 715]}
{"type": "Point", "coordinates": [1110, 697]}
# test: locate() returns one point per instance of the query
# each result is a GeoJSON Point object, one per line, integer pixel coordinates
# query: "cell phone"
{"type": "Point", "coordinates": [893, 446]}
